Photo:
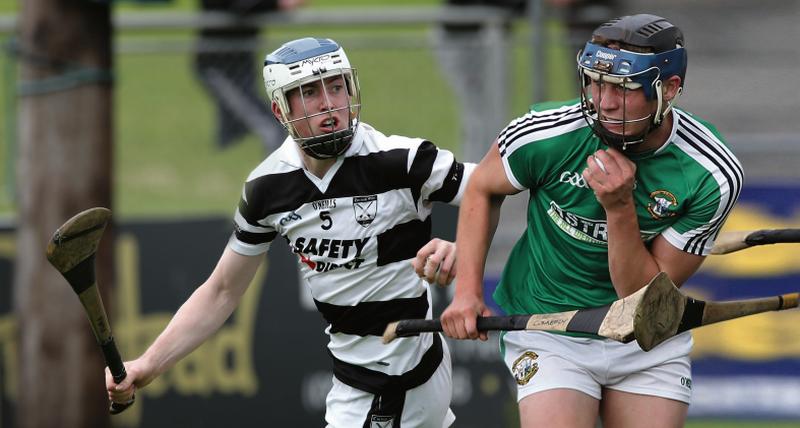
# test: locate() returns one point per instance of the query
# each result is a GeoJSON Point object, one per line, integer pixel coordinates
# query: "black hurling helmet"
{"type": "Point", "coordinates": [664, 57]}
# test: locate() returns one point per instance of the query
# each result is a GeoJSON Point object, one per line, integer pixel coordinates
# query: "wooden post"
{"type": "Point", "coordinates": [64, 166]}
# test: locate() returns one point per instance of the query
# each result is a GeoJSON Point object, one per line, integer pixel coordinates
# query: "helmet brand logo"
{"type": "Point", "coordinates": [315, 60]}
{"type": "Point", "coordinates": [606, 55]}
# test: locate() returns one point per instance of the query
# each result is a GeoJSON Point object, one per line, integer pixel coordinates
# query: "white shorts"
{"type": "Point", "coordinates": [426, 406]}
{"type": "Point", "coordinates": [540, 361]}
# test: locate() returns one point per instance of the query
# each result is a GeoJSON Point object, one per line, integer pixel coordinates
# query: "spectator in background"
{"type": "Point", "coordinates": [581, 17]}
{"type": "Point", "coordinates": [464, 58]}
{"type": "Point", "coordinates": [226, 66]}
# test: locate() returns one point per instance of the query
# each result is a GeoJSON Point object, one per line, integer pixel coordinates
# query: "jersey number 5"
{"type": "Point", "coordinates": [327, 221]}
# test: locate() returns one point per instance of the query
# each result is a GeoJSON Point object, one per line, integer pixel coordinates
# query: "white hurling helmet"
{"type": "Point", "coordinates": [307, 61]}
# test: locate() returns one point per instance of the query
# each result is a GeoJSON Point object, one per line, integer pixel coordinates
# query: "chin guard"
{"type": "Point", "coordinates": [328, 145]}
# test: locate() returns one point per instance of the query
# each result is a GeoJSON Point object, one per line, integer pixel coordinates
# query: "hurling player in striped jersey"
{"type": "Point", "coordinates": [622, 185]}
{"type": "Point", "coordinates": [354, 205]}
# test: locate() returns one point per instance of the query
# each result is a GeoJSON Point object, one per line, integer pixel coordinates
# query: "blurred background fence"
{"type": "Point", "coordinates": [190, 123]}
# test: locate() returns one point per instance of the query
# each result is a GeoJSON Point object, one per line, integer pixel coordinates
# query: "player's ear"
{"type": "Point", "coordinates": [670, 87]}
{"type": "Point", "coordinates": [276, 111]}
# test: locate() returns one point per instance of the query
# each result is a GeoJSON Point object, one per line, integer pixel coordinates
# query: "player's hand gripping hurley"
{"type": "Point", "coordinates": [655, 313]}
{"type": "Point", "coordinates": [72, 252]}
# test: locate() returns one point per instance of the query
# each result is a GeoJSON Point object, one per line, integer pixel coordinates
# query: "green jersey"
{"type": "Point", "coordinates": [683, 191]}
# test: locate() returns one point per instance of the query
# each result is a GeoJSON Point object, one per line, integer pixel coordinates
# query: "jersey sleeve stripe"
{"type": "Point", "coordinates": [518, 138]}
{"type": "Point", "coordinates": [730, 168]}
{"type": "Point", "coordinates": [727, 187]}
{"type": "Point", "coordinates": [532, 127]}
{"type": "Point", "coordinates": [547, 116]}
{"type": "Point", "coordinates": [421, 167]}
{"type": "Point", "coordinates": [514, 125]}
{"type": "Point", "coordinates": [249, 239]}
{"type": "Point", "coordinates": [247, 249]}
{"type": "Point", "coordinates": [450, 185]}
{"type": "Point", "coordinates": [469, 168]}
{"type": "Point", "coordinates": [254, 238]}
{"type": "Point", "coordinates": [539, 117]}
{"type": "Point", "coordinates": [538, 121]}
{"type": "Point", "coordinates": [403, 241]}
{"type": "Point", "coordinates": [244, 216]}
{"type": "Point", "coordinates": [702, 145]}
{"type": "Point", "coordinates": [370, 318]}
{"type": "Point", "coordinates": [248, 225]}
{"type": "Point", "coordinates": [713, 143]}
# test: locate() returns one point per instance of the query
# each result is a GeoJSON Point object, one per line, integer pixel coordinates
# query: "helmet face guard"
{"type": "Point", "coordinates": [323, 145]}
{"type": "Point", "coordinates": [630, 71]}
{"type": "Point", "coordinates": [306, 62]}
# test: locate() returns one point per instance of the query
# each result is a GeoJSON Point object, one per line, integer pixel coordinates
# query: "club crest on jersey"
{"type": "Point", "coordinates": [377, 421]}
{"type": "Point", "coordinates": [525, 367]}
{"type": "Point", "coordinates": [365, 208]}
{"type": "Point", "coordinates": [663, 204]}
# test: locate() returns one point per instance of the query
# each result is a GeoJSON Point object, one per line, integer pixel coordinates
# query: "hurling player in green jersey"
{"type": "Point", "coordinates": [622, 185]}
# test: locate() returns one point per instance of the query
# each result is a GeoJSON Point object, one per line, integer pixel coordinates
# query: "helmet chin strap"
{"type": "Point", "coordinates": [621, 141]}
{"type": "Point", "coordinates": [660, 117]}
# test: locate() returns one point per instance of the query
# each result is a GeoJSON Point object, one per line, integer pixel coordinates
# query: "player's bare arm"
{"type": "Point", "coordinates": [480, 211]}
{"type": "Point", "coordinates": [198, 318]}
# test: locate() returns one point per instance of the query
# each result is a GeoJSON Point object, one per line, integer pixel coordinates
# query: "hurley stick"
{"type": "Point", "coordinates": [664, 315]}
{"type": "Point", "coordinates": [728, 242]}
{"type": "Point", "coordinates": [655, 313]}
{"type": "Point", "coordinates": [72, 252]}
{"type": "Point", "coordinates": [614, 321]}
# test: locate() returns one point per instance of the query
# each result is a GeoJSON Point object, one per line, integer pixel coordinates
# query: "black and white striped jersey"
{"type": "Point", "coordinates": [354, 232]}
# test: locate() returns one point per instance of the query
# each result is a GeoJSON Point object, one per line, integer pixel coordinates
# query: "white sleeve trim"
{"type": "Point", "coordinates": [469, 168]}
{"type": "Point", "coordinates": [680, 241]}
{"type": "Point", "coordinates": [510, 175]}
{"type": "Point", "coordinates": [247, 249]}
